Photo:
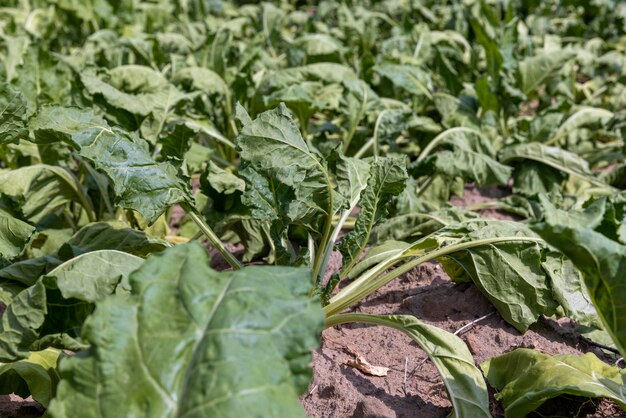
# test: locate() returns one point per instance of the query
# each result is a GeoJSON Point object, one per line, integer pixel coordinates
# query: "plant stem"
{"type": "Point", "coordinates": [217, 243]}
{"type": "Point", "coordinates": [433, 144]}
{"type": "Point", "coordinates": [371, 281]}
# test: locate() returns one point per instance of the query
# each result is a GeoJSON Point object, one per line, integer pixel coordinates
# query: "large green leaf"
{"type": "Point", "coordinates": [502, 258]}
{"type": "Point", "coordinates": [41, 189]}
{"type": "Point", "coordinates": [35, 375]}
{"type": "Point", "coordinates": [60, 301]}
{"type": "Point", "coordinates": [12, 114]}
{"type": "Point", "coordinates": [536, 70]}
{"type": "Point", "coordinates": [526, 379]}
{"type": "Point", "coordinates": [21, 322]}
{"type": "Point", "coordinates": [509, 274]}
{"type": "Point", "coordinates": [136, 89]}
{"type": "Point", "coordinates": [556, 158]}
{"type": "Point", "coordinates": [14, 235]}
{"type": "Point", "coordinates": [140, 183]}
{"type": "Point", "coordinates": [467, 154]}
{"type": "Point", "coordinates": [602, 262]}
{"type": "Point", "coordinates": [416, 224]}
{"type": "Point", "coordinates": [273, 145]}
{"type": "Point", "coordinates": [410, 78]}
{"type": "Point", "coordinates": [191, 341]}
{"type": "Point", "coordinates": [464, 383]}
{"type": "Point", "coordinates": [286, 181]}
{"type": "Point", "coordinates": [93, 237]}
{"type": "Point", "coordinates": [91, 276]}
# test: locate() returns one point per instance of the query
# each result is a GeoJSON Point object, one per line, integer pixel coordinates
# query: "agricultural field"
{"type": "Point", "coordinates": [338, 208]}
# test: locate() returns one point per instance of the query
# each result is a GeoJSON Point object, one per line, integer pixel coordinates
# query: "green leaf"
{"type": "Point", "coordinates": [134, 88]}
{"type": "Point", "coordinates": [557, 158]}
{"type": "Point", "coordinates": [412, 79]}
{"type": "Point", "coordinates": [41, 189]}
{"type": "Point", "coordinates": [14, 235]}
{"type": "Point", "coordinates": [416, 224]}
{"type": "Point", "coordinates": [532, 177]}
{"type": "Point", "coordinates": [204, 360]}
{"type": "Point", "coordinates": [140, 183]}
{"type": "Point", "coordinates": [509, 274]}
{"type": "Point", "coordinates": [526, 379]}
{"type": "Point", "coordinates": [464, 383]}
{"type": "Point", "coordinates": [60, 302]}
{"type": "Point", "coordinates": [497, 255]}
{"type": "Point", "coordinates": [94, 275]}
{"type": "Point", "coordinates": [21, 322]}
{"type": "Point", "coordinates": [570, 290]}
{"type": "Point", "coordinates": [93, 237]}
{"type": "Point", "coordinates": [536, 70]}
{"type": "Point", "coordinates": [592, 117]}
{"type": "Point", "coordinates": [387, 178]}
{"type": "Point", "coordinates": [222, 181]}
{"type": "Point", "coordinates": [602, 262]}
{"type": "Point", "coordinates": [273, 145]}
{"type": "Point", "coordinates": [35, 375]}
{"type": "Point", "coordinates": [13, 114]}
{"type": "Point", "coordinates": [466, 154]}
{"type": "Point", "coordinates": [351, 176]}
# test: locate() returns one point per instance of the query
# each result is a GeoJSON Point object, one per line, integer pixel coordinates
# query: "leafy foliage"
{"type": "Point", "coordinates": [215, 324]}
{"type": "Point", "coordinates": [526, 379]}
{"type": "Point", "coordinates": [279, 132]}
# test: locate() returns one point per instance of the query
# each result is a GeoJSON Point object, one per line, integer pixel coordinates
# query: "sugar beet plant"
{"type": "Point", "coordinates": [285, 133]}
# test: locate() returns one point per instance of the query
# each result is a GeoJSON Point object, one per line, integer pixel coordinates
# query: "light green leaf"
{"type": "Point", "coordinates": [273, 145]}
{"type": "Point", "coordinates": [21, 322]}
{"type": "Point", "coordinates": [536, 70]}
{"type": "Point", "coordinates": [570, 290]}
{"type": "Point", "coordinates": [204, 360]}
{"type": "Point", "coordinates": [509, 274]}
{"type": "Point", "coordinates": [410, 78]}
{"type": "Point", "coordinates": [35, 375]}
{"type": "Point", "coordinates": [466, 154]}
{"type": "Point", "coordinates": [526, 379]}
{"type": "Point", "coordinates": [14, 235]}
{"type": "Point", "coordinates": [92, 276]}
{"type": "Point", "coordinates": [602, 262]}
{"type": "Point", "coordinates": [416, 224]}
{"type": "Point", "coordinates": [557, 158]}
{"type": "Point", "coordinates": [58, 304]}
{"type": "Point", "coordinates": [42, 189]}
{"type": "Point", "coordinates": [586, 116]}
{"type": "Point", "coordinates": [140, 183]}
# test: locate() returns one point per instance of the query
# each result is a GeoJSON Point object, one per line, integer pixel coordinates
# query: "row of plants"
{"type": "Point", "coordinates": [291, 130]}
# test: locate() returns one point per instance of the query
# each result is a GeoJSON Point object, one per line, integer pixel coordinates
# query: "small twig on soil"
{"type": "Point", "coordinates": [406, 364]}
{"type": "Point", "coordinates": [602, 346]}
{"type": "Point", "coordinates": [308, 395]}
{"type": "Point", "coordinates": [418, 365]}
{"type": "Point", "coordinates": [470, 325]}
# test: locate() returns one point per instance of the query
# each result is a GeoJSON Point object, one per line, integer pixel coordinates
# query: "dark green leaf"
{"type": "Point", "coordinates": [140, 183]}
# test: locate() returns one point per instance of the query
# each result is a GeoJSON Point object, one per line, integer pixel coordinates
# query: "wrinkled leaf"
{"type": "Point", "coordinates": [204, 359]}
{"type": "Point", "coordinates": [140, 183]}
{"type": "Point", "coordinates": [526, 379]}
